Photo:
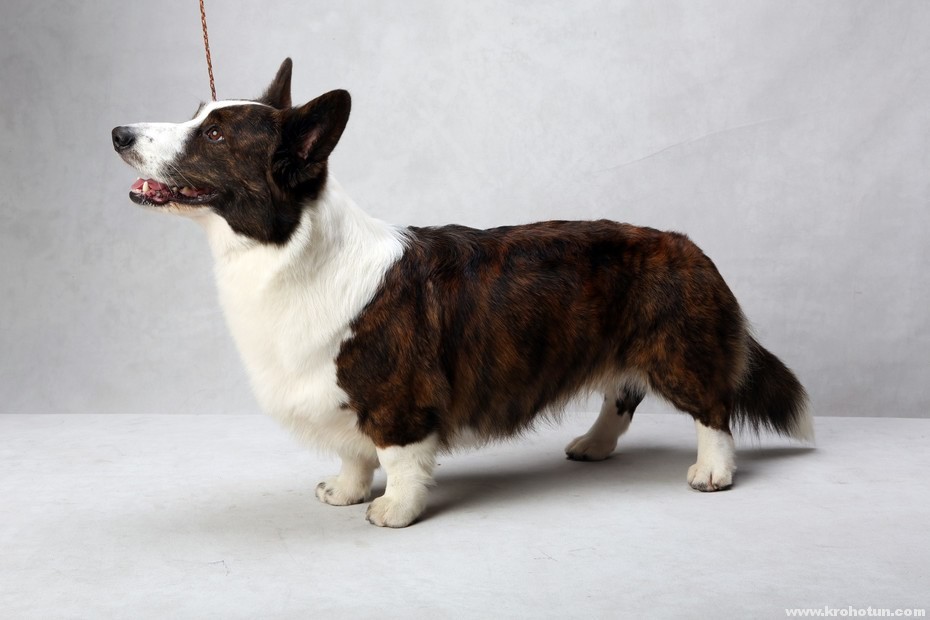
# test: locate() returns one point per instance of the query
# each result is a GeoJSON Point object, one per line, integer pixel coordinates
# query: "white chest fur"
{"type": "Point", "coordinates": [290, 307]}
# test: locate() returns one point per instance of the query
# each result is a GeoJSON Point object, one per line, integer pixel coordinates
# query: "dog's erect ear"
{"type": "Point", "coordinates": [311, 132]}
{"type": "Point", "coordinates": [278, 93]}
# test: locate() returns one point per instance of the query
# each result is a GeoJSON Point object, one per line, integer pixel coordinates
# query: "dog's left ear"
{"type": "Point", "coordinates": [311, 132]}
{"type": "Point", "coordinates": [278, 93]}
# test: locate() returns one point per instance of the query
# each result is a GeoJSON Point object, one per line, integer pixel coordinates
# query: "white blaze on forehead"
{"type": "Point", "coordinates": [159, 144]}
{"type": "Point", "coordinates": [227, 103]}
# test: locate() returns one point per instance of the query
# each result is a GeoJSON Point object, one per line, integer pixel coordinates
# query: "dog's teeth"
{"type": "Point", "coordinates": [174, 189]}
{"type": "Point", "coordinates": [145, 187]}
{"type": "Point", "coordinates": [188, 191]}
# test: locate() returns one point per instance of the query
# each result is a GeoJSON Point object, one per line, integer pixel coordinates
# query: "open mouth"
{"type": "Point", "coordinates": [150, 192]}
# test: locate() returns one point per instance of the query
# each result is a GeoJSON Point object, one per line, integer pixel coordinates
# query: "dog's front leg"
{"type": "Point", "coordinates": [353, 484]}
{"type": "Point", "coordinates": [409, 470]}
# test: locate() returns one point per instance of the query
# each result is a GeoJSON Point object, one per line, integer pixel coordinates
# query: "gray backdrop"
{"type": "Point", "coordinates": [788, 139]}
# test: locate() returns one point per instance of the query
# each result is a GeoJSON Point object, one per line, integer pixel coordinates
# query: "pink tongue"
{"type": "Point", "coordinates": [153, 184]}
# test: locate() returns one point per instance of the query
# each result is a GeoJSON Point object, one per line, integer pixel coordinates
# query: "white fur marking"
{"type": "Point", "coordinates": [803, 427]}
{"type": "Point", "coordinates": [409, 472]}
{"type": "Point", "coordinates": [290, 307]}
{"type": "Point", "coordinates": [716, 460]}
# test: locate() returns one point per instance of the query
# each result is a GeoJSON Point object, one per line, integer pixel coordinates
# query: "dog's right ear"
{"type": "Point", "coordinates": [312, 131]}
{"type": "Point", "coordinates": [309, 134]}
{"type": "Point", "coordinates": [278, 93]}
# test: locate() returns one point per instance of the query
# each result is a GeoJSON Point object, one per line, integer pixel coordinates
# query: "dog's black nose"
{"type": "Point", "coordinates": [123, 138]}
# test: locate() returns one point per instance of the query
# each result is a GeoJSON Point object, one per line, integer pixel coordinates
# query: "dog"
{"type": "Point", "coordinates": [387, 345]}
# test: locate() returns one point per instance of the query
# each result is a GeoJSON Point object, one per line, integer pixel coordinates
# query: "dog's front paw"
{"type": "Point", "coordinates": [336, 492]}
{"type": "Point", "coordinates": [710, 476]}
{"type": "Point", "coordinates": [588, 448]}
{"type": "Point", "coordinates": [388, 511]}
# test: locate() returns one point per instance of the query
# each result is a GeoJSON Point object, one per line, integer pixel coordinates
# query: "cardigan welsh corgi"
{"type": "Point", "coordinates": [386, 344]}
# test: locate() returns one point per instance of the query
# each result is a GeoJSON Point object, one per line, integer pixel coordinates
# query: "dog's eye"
{"type": "Point", "coordinates": [214, 134]}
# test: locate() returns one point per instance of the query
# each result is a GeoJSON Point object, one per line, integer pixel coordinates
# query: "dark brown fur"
{"type": "Point", "coordinates": [483, 329]}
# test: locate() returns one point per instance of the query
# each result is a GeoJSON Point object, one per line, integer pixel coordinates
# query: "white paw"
{"type": "Point", "coordinates": [710, 476]}
{"type": "Point", "coordinates": [588, 448]}
{"type": "Point", "coordinates": [388, 511]}
{"type": "Point", "coordinates": [336, 492]}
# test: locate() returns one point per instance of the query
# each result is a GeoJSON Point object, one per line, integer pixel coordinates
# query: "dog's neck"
{"type": "Point", "coordinates": [330, 225]}
{"type": "Point", "coordinates": [334, 261]}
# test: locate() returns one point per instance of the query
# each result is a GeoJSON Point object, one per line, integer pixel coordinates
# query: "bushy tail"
{"type": "Point", "coordinates": [771, 397]}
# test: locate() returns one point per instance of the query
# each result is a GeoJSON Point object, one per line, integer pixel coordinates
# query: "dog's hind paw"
{"type": "Point", "coordinates": [710, 477]}
{"type": "Point", "coordinates": [587, 448]}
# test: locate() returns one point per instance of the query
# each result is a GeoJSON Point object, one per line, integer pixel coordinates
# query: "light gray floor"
{"type": "Point", "coordinates": [214, 516]}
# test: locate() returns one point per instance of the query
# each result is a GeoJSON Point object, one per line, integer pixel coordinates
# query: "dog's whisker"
{"type": "Point", "coordinates": [177, 171]}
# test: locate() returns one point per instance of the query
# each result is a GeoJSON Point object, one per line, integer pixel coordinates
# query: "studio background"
{"type": "Point", "coordinates": [788, 139]}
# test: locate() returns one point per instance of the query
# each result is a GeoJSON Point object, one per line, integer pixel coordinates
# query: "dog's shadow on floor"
{"type": "Point", "coordinates": [470, 484]}
{"type": "Point", "coordinates": [631, 468]}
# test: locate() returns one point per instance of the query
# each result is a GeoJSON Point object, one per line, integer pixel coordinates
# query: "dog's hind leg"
{"type": "Point", "coordinates": [716, 455]}
{"type": "Point", "coordinates": [613, 420]}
